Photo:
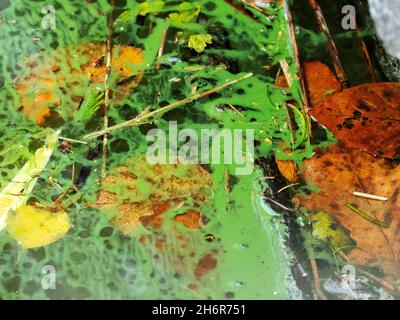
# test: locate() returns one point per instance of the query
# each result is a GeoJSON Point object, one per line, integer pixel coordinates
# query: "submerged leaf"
{"type": "Point", "coordinates": [365, 117]}
{"type": "Point", "coordinates": [33, 227]}
{"type": "Point", "coordinates": [77, 68]}
{"type": "Point", "coordinates": [339, 172]}
{"type": "Point", "coordinates": [326, 229]}
{"type": "Point", "coordinates": [140, 193]}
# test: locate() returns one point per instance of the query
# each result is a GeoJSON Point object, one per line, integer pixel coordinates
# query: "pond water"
{"type": "Point", "coordinates": [239, 250]}
{"type": "Point", "coordinates": [169, 231]}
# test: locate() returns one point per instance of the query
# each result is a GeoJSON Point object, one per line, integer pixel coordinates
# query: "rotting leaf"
{"type": "Point", "coordinates": [342, 170]}
{"type": "Point", "coordinates": [77, 68]}
{"type": "Point", "coordinates": [142, 193]}
{"type": "Point", "coordinates": [365, 117]}
{"type": "Point", "coordinates": [168, 201]}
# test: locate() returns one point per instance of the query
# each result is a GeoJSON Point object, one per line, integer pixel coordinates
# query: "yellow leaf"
{"type": "Point", "coordinates": [33, 227]}
{"type": "Point", "coordinates": [17, 191]}
{"type": "Point", "coordinates": [199, 42]}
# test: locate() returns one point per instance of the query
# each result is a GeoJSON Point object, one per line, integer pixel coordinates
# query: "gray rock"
{"type": "Point", "coordinates": [387, 23]}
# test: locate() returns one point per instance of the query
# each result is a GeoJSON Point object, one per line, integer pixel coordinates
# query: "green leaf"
{"type": "Point", "coordinates": [151, 7]}
{"type": "Point", "coordinates": [199, 42]}
{"type": "Point", "coordinates": [368, 217]}
{"type": "Point", "coordinates": [187, 12]}
{"type": "Point", "coordinates": [145, 8]}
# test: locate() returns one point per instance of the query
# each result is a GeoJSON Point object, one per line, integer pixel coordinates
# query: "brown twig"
{"type": "Point", "coordinates": [314, 270]}
{"type": "Point", "coordinates": [161, 49]}
{"type": "Point", "coordinates": [280, 205]}
{"type": "Point", "coordinates": [286, 72]}
{"type": "Point", "coordinates": [199, 68]}
{"type": "Point", "coordinates": [366, 56]}
{"type": "Point", "coordinates": [73, 174]}
{"type": "Point", "coordinates": [332, 49]}
{"type": "Point", "coordinates": [139, 120]}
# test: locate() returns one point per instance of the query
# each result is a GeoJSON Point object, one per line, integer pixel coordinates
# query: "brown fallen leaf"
{"type": "Point", "coordinates": [138, 194]}
{"type": "Point", "coordinates": [336, 174]}
{"type": "Point", "coordinates": [321, 81]}
{"type": "Point", "coordinates": [61, 77]}
{"type": "Point", "coordinates": [365, 117]}
{"type": "Point", "coordinates": [288, 169]}
{"type": "Point", "coordinates": [142, 193]}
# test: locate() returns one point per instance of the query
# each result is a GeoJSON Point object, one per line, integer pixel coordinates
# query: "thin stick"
{"type": "Point", "coordinates": [314, 270]}
{"type": "Point", "coordinates": [107, 92]}
{"type": "Point", "coordinates": [369, 196]}
{"type": "Point", "coordinates": [73, 174]}
{"type": "Point", "coordinates": [367, 58]}
{"type": "Point", "coordinates": [198, 68]}
{"type": "Point", "coordinates": [236, 110]}
{"type": "Point", "coordinates": [285, 68]}
{"type": "Point", "coordinates": [72, 140]}
{"type": "Point", "coordinates": [144, 116]}
{"type": "Point", "coordinates": [287, 187]}
{"type": "Point", "coordinates": [277, 203]}
{"type": "Point", "coordinates": [161, 49]}
{"type": "Point", "coordinates": [332, 49]}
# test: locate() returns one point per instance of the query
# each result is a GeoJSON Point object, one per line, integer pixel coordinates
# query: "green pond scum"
{"type": "Point", "coordinates": [240, 250]}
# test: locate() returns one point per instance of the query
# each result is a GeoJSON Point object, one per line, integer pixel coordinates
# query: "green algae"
{"type": "Point", "coordinates": [94, 260]}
